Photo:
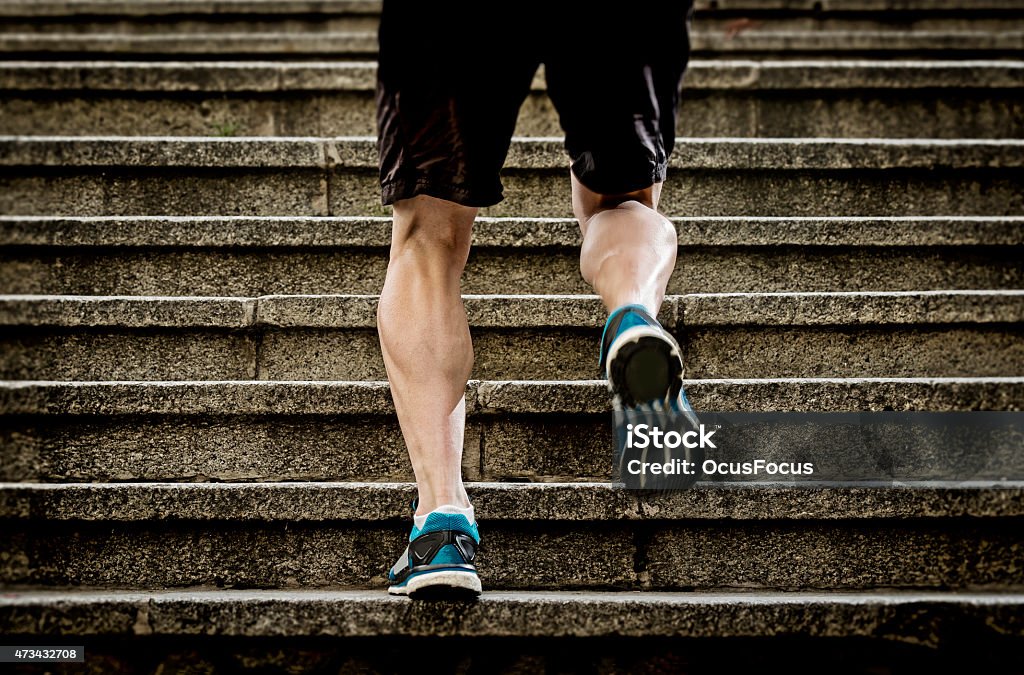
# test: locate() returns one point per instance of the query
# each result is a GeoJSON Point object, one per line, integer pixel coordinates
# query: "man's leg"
{"type": "Point", "coordinates": [629, 249]}
{"type": "Point", "coordinates": [425, 340]}
{"type": "Point", "coordinates": [628, 254]}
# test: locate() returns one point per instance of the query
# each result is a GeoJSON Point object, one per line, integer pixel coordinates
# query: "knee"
{"type": "Point", "coordinates": [631, 230]}
{"type": "Point", "coordinates": [429, 231]}
{"type": "Point", "coordinates": [587, 204]}
{"type": "Point", "coordinates": [627, 223]}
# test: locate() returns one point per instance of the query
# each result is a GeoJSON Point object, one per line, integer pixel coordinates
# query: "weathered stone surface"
{"type": "Point", "coordinates": [508, 354]}
{"type": "Point", "coordinates": [772, 44]}
{"type": "Point", "coordinates": [902, 555]}
{"type": "Point", "coordinates": [250, 397]}
{"type": "Point", "coordinates": [133, 354]}
{"type": "Point", "coordinates": [811, 309]}
{"type": "Point", "coordinates": [299, 192]}
{"type": "Point", "coordinates": [825, 350]}
{"type": "Point", "coordinates": [284, 76]}
{"type": "Point", "coordinates": [220, 448]}
{"type": "Point", "coordinates": [551, 337]}
{"type": "Point", "coordinates": [69, 151]}
{"type": "Point", "coordinates": [268, 431]}
{"type": "Point", "coordinates": [824, 394]}
{"type": "Point", "coordinates": [831, 555]}
{"type": "Point", "coordinates": [367, 502]}
{"type": "Point", "coordinates": [363, 44]}
{"type": "Point", "coordinates": [848, 5]}
{"type": "Point", "coordinates": [266, 613]}
{"type": "Point", "coordinates": [126, 312]}
{"type": "Point", "coordinates": [499, 354]}
{"type": "Point", "coordinates": [524, 397]}
{"type": "Point", "coordinates": [302, 555]}
{"type": "Point", "coordinates": [501, 447]}
{"type": "Point", "coordinates": [484, 311]}
{"type": "Point", "coordinates": [342, 534]}
{"type": "Point", "coordinates": [829, 269]}
{"type": "Point", "coordinates": [721, 99]}
{"type": "Point", "coordinates": [53, 8]}
{"type": "Point", "coordinates": [497, 270]}
{"type": "Point", "coordinates": [237, 271]}
{"type": "Point", "coordinates": [728, 113]}
{"type": "Point", "coordinates": [773, 114]}
{"type": "Point", "coordinates": [713, 177]}
{"type": "Point", "coordinates": [345, 45]}
{"type": "Point", "coordinates": [911, 645]}
{"type": "Point", "coordinates": [857, 192]}
{"type": "Point", "coordinates": [546, 447]}
{"type": "Point", "coordinates": [255, 256]}
{"type": "Point", "coordinates": [216, 232]}
{"type": "Point", "coordinates": [532, 153]}
{"type": "Point", "coordinates": [765, 193]}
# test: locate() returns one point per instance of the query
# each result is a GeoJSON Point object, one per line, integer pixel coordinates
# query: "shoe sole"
{"type": "Point", "coordinates": [644, 365]}
{"type": "Point", "coordinates": [440, 584]}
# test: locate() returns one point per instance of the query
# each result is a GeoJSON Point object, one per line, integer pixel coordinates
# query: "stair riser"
{"type": "Point", "coordinates": [952, 44]}
{"type": "Point", "coordinates": [197, 26]}
{"type": "Point", "coordinates": [700, 269]}
{"type": "Point", "coordinates": [257, 631]}
{"type": "Point", "coordinates": [648, 556]}
{"type": "Point", "coordinates": [891, 9]}
{"type": "Point", "coordinates": [704, 23]}
{"type": "Point", "coordinates": [507, 354]}
{"type": "Point", "coordinates": [540, 193]}
{"type": "Point", "coordinates": [770, 114]}
{"type": "Point", "coordinates": [784, 630]}
{"type": "Point", "coordinates": [511, 446]}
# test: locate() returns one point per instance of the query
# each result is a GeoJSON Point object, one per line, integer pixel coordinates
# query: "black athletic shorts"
{"type": "Point", "coordinates": [453, 75]}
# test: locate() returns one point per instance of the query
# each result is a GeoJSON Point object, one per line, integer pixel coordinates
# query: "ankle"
{"type": "Point", "coordinates": [428, 503]}
{"type": "Point", "coordinates": [419, 520]}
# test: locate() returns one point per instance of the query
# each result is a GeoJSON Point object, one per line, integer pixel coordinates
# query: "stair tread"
{"type": "Point", "coordinates": [94, 77]}
{"type": "Point", "coordinates": [157, 7]}
{"type": "Point", "coordinates": [505, 614]}
{"type": "Point", "coordinates": [518, 311]}
{"type": "Point", "coordinates": [321, 44]}
{"type": "Point", "coordinates": [540, 153]}
{"type": "Point", "coordinates": [375, 231]}
{"type": "Point", "coordinates": [263, 397]}
{"type": "Point", "coordinates": [550, 502]}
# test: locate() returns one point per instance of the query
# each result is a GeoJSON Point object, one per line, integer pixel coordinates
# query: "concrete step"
{"type": "Point", "coordinates": [754, 335]}
{"type": "Point", "coordinates": [146, 8]}
{"type": "Point", "coordinates": [256, 631]}
{"type": "Point", "coordinates": [921, 99]}
{"type": "Point", "coordinates": [311, 176]}
{"type": "Point", "coordinates": [242, 256]}
{"type": "Point", "coordinates": [297, 30]}
{"type": "Point", "coordinates": [541, 431]}
{"type": "Point", "coordinates": [601, 625]}
{"type": "Point", "coordinates": [764, 42]}
{"type": "Point", "coordinates": [314, 535]}
{"type": "Point", "coordinates": [116, 8]}
{"type": "Point", "coordinates": [708, 27]}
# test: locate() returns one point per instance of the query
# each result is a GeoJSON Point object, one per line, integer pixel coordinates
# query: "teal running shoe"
{"type": "Point", "coordinates": [644, 368]}
{"type": "Point", "coordinates": [438, 562]}
{"type": "Point", "coordinates": [641, 360]}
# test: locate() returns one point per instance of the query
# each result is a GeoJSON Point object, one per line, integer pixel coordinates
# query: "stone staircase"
{"type": "Point", "coordinates": [345, 29]}
{"type": "Point", "coordinates": [201, 469]}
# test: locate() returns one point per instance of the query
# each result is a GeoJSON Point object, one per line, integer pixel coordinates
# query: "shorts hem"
{"type": "Point", "coordinates": [394, 190]}
{"type": "Point", "coordinates": [623, 185]}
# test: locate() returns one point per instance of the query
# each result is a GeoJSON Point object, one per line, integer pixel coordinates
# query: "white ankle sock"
{"type": "Point", "coordinates": [420, 521]}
